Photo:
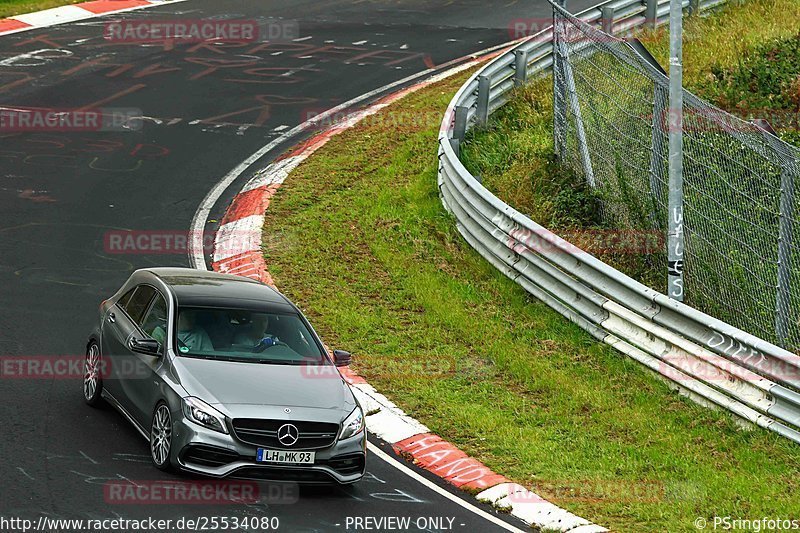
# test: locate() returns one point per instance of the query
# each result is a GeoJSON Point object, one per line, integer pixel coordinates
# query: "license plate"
{"type": "Point", "coordinates": [264, 455]}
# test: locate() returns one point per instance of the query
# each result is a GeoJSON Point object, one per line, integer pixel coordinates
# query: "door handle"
{"type": "Point", "coordinates": [112, 318]}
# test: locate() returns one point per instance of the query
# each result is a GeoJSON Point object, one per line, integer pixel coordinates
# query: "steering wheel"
{"type": "Point", "coordinates": [267, 342]}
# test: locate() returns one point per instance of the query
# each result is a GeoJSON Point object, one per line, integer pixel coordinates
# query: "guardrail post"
{"type": "Point", "coordinates": [607, 19]}
{"type": "Point", "coordinates": [459, 128]}
{"type": "Point", "coordinates": [484, 86]}
{"type": "Point", "coordinates": [651, 13]}
{"type": "Point", "coordinates": [520, 67]}
{"type": "Point", "coordinates": [694, 7]}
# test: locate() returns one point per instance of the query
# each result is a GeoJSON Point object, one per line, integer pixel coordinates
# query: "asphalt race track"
{"type": "Point", "coordinates": [207, 107]}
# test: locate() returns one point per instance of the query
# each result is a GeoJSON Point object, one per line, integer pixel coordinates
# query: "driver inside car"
{"type": "Point", "coordinates": [255, 334]}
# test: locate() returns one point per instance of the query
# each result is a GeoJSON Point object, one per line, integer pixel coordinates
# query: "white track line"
{"type": "Point", "coordinates": [439, 490]}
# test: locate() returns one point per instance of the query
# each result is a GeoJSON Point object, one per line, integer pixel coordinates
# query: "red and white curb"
{"type": "Point", "coordinates": [237, 250]}
{"type": "Point", "coordinates": [74, 12]}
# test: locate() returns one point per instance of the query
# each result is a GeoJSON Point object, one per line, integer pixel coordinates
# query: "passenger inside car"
{"type": "Point", "coordinates": [191, 336]}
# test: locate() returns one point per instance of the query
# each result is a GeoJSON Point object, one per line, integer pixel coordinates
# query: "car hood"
{"type": "Point", "coordinates": [225, 384]}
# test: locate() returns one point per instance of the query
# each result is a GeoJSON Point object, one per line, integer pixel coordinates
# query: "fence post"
{"type": "Point", "coordinates": [785, 234]}
{"type": "Point", "coordinates": [785, 241]}
{"type": "Point", "coordinates": [651, 13]}
{"type": "Point", "coordinates": [607, 19]}
{"type": "Point", "coordinates": [575, 107]}
{"type": "Point", "coordinates": [675, 232]}
{"type": "Point", "coordinates": [520, 67]}
{"type": "Point", "coordinates": [484, 86]}
{"type": "Point", "coordinates": [559, 103]}
{"type": "Point", "coordinates": [459, 128]}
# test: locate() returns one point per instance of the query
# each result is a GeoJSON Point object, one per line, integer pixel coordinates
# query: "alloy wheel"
{"type": "Point", "coordinates": [161, 436]}
{"type": "Point", "coordinates": [91, 374]}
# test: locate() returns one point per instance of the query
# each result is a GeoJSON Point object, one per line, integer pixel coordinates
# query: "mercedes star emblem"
{"type": "Point", "coordinates": [288, 434]}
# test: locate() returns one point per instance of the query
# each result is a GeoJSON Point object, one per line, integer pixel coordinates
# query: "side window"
{"type": "Point", "coordinates": [155, 323]}
{"type": "Point", "coordinates": [122, 302]}
{"type": "Point", "coordinates": [138, 303]}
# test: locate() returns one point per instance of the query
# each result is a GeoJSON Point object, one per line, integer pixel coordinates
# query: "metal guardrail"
{"type": "Point", "coordinates": [711, 361]}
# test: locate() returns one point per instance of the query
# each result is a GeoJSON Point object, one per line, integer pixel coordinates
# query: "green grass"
{"type": "Point", "coordinates": [742, 28]}
{"type": "Point", "coordinates": [9, 8]}
{"type": "Point", "coordinates": [358, 237]}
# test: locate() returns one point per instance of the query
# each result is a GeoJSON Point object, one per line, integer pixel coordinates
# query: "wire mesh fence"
{"type": "Point", "coordinates": [740, 214]}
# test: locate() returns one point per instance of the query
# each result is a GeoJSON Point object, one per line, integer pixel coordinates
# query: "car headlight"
{"type": "Point", "coordinates": [353, 424]}
{"type": "Point", "coordinates": [203, 414]}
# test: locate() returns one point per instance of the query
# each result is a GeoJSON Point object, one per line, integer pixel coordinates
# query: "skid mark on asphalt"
{"type": "Point", "coordinates": [131, 457]}
{"type": "Point", "coordinates": [27, 475]}
{"type": "Point", "coordinates": [35, 58]}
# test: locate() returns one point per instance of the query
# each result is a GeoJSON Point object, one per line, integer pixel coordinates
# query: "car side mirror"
{"type": "Point", "coordinates": [341, 358]}
{"type": "Point", "coordinates": [145, 346]}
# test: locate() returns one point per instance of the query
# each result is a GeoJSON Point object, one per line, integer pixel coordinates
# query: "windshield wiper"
{"type": "Point", "coordinates": [224, 358]}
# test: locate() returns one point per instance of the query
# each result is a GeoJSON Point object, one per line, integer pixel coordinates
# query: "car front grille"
{"type": "Point", "coordinates": [262, 432]}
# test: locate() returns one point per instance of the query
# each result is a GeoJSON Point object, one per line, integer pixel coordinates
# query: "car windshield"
{"type": "Point", "coordinates": [246, 336]}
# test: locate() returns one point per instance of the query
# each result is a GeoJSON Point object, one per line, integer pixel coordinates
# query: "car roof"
{"type": "Point", "coordinates": [202, 288]}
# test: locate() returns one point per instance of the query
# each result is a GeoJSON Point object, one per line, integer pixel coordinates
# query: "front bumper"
{"type": "Point", "coordinates": [203, 451]}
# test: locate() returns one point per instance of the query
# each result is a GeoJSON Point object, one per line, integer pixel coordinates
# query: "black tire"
{"type": "Point", "coordinates": [161, 437]}
{"type": "Point", "coordinates": [93, 375]}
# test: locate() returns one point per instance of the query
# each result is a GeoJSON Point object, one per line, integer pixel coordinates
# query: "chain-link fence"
{"type": "Point", "coordinates": [611, 123]}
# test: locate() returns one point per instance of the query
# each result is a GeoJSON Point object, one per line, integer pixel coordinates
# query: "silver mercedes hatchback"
{"type": "Point", "coordinates": [224, 376]}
